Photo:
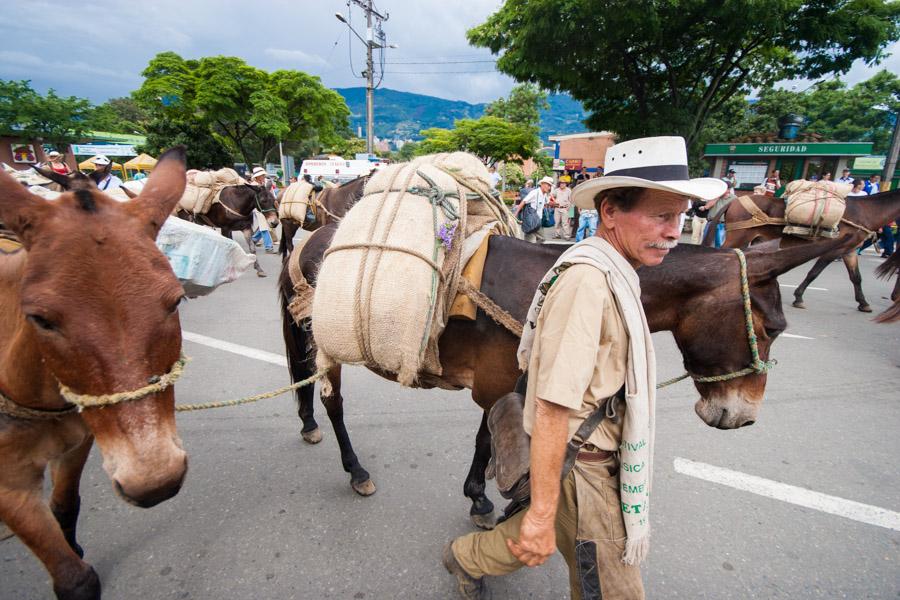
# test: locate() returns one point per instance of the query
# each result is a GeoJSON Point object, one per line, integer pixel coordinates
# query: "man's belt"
{"type": "Point", "coordinates": [595, 455]}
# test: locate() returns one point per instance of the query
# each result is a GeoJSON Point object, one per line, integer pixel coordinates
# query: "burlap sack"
{"type": "Point", "coordinates": [474, 173]}
{"type": "Point", "coordinates": [203, 188]}
{"type": "Point", "coordinates": [381, 295]}
{"type": "Point", "coordinates": [295, 201]}
{"type": "Point", "coordinates": [817, 205]}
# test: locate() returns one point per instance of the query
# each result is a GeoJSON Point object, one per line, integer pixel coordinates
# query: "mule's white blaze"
{"type": "Point", "coordinates": [849, 509]}
{"type": "Point", "coordinates": [269, 357]}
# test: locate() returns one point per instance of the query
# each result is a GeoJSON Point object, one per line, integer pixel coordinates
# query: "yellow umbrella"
{"type": "Point", "coordinates": [89, 165]}
{"type": "Point", "coordinates": [141, 162]}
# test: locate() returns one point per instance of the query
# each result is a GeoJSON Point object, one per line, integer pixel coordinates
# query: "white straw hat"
{"type": "Point", "coordinates": [100, 161]}
{"type": "Point", "coordinates": [546, 180]}
{"type": "Point", "coordinates": [656, 163]}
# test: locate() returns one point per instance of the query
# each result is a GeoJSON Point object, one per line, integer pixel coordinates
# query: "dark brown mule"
{"type": "Point", "coordinates": [330, 205]}
{"type": "Point", "coordinates": [234, 212]}
{"type": "Point", "coordinates": [871, 212]}
{"type": "Point", "coordinates": [691, 289]}
{"type": "Point", "coordinates": [90, 303]}
{"type": "Point", "coordinates": [76, 179]}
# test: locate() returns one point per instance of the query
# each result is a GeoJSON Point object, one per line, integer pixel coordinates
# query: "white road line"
{"type": "Point", "coordinates": [788, 285]}
{"type": "Point", "coordinates": [796, 337]}
{"type": "Point", "coordinates": [857, 511]}
{"type": "Point", "coordinates": [269, 357]}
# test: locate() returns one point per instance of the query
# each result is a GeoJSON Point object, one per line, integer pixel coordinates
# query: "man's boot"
{"type": "Point", "coordinates": [469, 587]}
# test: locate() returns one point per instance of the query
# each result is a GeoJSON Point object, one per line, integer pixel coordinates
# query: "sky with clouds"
{"type": "Point", "coordinates": [98, 49]}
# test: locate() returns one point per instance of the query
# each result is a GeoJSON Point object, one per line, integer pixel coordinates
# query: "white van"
{"type": "Point", "coordinates": [337, 169]}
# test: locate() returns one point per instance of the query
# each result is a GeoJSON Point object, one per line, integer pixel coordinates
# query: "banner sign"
{"type": "Point", "coordinates": [23, 153]}
{"type": "Point", "coordinates": [869, 163]}
{"type": "Point", "coordinates": [103, 149]}
{"type": "Point", "coordinates": [793, 149]}
{"type": "Point", "coordinates": [574, 164]}
{"type": "Point", "coordinates": [558, 164]}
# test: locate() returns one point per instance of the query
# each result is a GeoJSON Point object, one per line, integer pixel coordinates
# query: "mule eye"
{"type": "Point", "coordinates": [173, 308]}
{"type": "Point", "coordinates": [42, 322]}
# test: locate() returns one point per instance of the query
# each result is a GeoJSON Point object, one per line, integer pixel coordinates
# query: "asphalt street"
{"type": "Point", "coordinates": [264, 515]}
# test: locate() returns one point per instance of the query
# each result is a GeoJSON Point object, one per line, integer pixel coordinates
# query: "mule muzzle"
{"type": "Point", "coordinates": [149, 489]}
{"type": "Point", "coordinates": [726, 413]}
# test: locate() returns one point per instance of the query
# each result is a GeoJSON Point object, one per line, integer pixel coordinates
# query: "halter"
{"type": "Point", "coordinates": [256, 199]}
{"type": "Point", "coordinates": [156, 384]}
{"type": "Point", "coordinates": [757, 365]}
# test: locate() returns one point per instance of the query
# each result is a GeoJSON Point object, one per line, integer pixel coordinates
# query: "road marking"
{"type": "Point", "coordinates": [269, 357]}
{"type": "Point", "coordinates": [796, 337]}
{"type": "Point", "coordinates": [857, 511]}
{"type": "Point", "coordinates": [788, 285]}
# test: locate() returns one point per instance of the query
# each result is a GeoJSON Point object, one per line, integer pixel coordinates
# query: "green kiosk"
{"type": "Point", "coordinates": [753, 161]}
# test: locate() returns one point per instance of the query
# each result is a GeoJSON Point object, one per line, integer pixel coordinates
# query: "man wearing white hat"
{"type": "Point", "coordinates": [260, 224]}
{"type": "Point", "coordinates": [108, 181]}
{"type": "Point", "coordinates": [534, 201]}
{"type": "Point", "coordinates": [588, 353]}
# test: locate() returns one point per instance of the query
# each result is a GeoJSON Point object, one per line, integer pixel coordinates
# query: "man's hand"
{"type": "Point", "coordinates": [537, 540]}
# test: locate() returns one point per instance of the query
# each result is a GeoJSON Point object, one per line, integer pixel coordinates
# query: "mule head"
{"type": "Point", "coordinates": [265, 202]}
{"type": "Point", "coordinates": [101, 304]}
{"type": "Point", "coordinates": [72, 181]}
{"type": "Point", "coordinates": [711, 332]}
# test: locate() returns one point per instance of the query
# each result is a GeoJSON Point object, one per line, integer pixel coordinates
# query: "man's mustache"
{"type": "Point", "coordinates": [663, 244]}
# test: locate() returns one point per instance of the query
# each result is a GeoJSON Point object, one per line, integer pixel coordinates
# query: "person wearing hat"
{"type": "Point", "coordinates": [561, 201]}
{"type": "Point", "coordinates": [107, 181]}
{"type": "Point", "coordinates": [262, 233]}
{"type": "Point", "coordinates": [586, 336]}
{"type": "Point", "coordinates": [535, 200]}
{"type": "Point", "coordinates": [56, 164]}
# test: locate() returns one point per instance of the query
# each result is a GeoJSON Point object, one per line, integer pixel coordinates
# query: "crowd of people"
{"type": "Point", "coordinates": [550, 206]}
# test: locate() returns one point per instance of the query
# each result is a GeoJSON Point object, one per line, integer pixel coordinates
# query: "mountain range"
{"type": "Point", "coordinates": [401, 115]}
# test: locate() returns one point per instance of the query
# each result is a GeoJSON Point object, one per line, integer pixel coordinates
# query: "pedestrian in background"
{"type": "Point", "coordinates": [587, 224]}
{"type": "Point", "coordinates": [846, 177]}
{"type": "Point", "coordinates": [772, 183]}
{"type": "Point", "coordinates": [260, 224]}
{"type": "Point", "coordinates": [494, 178]}
{"type": "Point", "coordinates": [561, 202]}
{"type": "Point", "coordinates": [529, 185]}
{"type": "Point", "coordinates": [534, 201]}
{"type": "Point", "coordinates": [873, 184]}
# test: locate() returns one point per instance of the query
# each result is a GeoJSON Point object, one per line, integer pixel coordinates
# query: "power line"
{"type": "Point", "coordinates": [437, 62]}
{"type": "Point", "coordinates": [437, 72]}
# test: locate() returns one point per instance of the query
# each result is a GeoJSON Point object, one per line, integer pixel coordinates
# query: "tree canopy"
{"type": "Point", "coordinates": [24, 112]}
{"type": "Point", "coordinates": [491, 138]}
{"type": "Point", "coordinates": [247, 108]}
{"type": "Point", "coordinates": [644, 67]}
{"type": "Point", "coordinates": [522, 106]}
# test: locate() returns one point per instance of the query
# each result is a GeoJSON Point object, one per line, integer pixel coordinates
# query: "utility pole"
{"type": "Point", "coordinates": [372, 41]}
{"type": "Point", "coordinates": [370, 83]}
{"type": "Point", "coordinates": [891, 163]}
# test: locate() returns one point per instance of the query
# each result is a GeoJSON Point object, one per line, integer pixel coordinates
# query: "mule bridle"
{"type": "Point", "coordinates": [155, 385]}
{"type": "Point", "coordinates": [757, 365]}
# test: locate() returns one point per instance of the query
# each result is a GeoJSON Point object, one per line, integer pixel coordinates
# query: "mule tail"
{"type": "Point", "coordinates": [886, 269]}
{"type": "Point", "coordinates": [298, 342]}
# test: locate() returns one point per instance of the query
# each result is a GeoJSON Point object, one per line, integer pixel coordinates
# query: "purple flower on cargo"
{"type": "Point", "coordinates": [446, 233]}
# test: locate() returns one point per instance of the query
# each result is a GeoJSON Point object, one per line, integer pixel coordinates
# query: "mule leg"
{"type": "Point", "coordinates": [817, 269]}
{"type": "Point", "coordinates": [288, 231]}
{"type": "Point", "coordinates": [65, 501]}
{"type": "Point", "coordinates": [31, 520]}
{"type": "Point", "coordinates": [334, 404]}
{"type": "Point", "coordinates": [248, 236]}
{"type": "Point", "coordinates": [851, 261]}
{"type": "Point", "coordinates": [301, 364]}
{"type": "Point", "coordinates": [482, 511]}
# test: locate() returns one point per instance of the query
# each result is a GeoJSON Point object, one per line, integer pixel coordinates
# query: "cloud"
{"type": "Point", "coordinates": [298, 57]}
{"type": "Point", "coordinates": [23, 64]}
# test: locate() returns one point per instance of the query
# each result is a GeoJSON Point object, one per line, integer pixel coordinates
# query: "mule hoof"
{"type": "Point", "coordinates": [364, 488]}
{"type": "Point", "coordinates": [313, 436]}
{"type": "Point", "coordinates": [87, 587]}
{"type": "Point", "coordinates": [486, 521]}
{"type": "Point", "coordinates": [5, 532]}
{"type": "Point", "coordinates": [798, 304]}
{"type": "Point", "coordinates": [864, 308]}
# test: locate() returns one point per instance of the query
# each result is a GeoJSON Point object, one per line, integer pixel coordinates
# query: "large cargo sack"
{"type": "Point", "coordinates": [203, 189]}
{"type": "Point", "coordinates": [382, 290]}
{"type": "Point", "coordinates": [201, 258]}
{"type": "Point", "coordinates": [295, 201]}
{"type": "Point", "coordinates": [814, 208]}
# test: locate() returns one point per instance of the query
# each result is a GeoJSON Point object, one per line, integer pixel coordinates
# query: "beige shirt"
{"type": "Point", "coordinates": [562, 197]}
{"type": "Point", "coordinates": [580, 352]}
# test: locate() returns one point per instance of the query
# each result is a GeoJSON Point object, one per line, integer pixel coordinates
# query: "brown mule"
{"type": "Point", "coordinates": [330, 205]}
{"type": "Point", "coordinates": [869, 212]}
{"type": "Point", "coordinates": [693, 287]}
{"type": "Point", "coordinates": [89, 303]}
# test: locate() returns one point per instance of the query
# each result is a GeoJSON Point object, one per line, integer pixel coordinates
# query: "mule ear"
{"type": "Point", "coordinates": [62, 180]}
{"type": "Point", "coordinates": [20, 210]}
{"type": "Point", "coordinates": [163, 189]}
{"type": "Point", "coordinates": [764, 265]}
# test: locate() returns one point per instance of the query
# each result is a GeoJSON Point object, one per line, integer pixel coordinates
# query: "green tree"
{"type": "Point", "coordinates": [347, 147]}
{"type": "Point", "coordinates": [249, 109]}
{"type": "Point", "coordinates": [54, 118]}
{"type": "Point", "coordinates": [513, 176]}
{"type": "Point", "coordinates": [407, 152]}
{"type": "Point", "coordinates": [490, 138]}
{"type": "Point", "coordinates": [523, 105]}
{"type": "Point", "coordinates": [645, 67]}
{"type": "Point", "coordinates": [119, 115]}
{"type": "Point", "coordinates": [204, 150]}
